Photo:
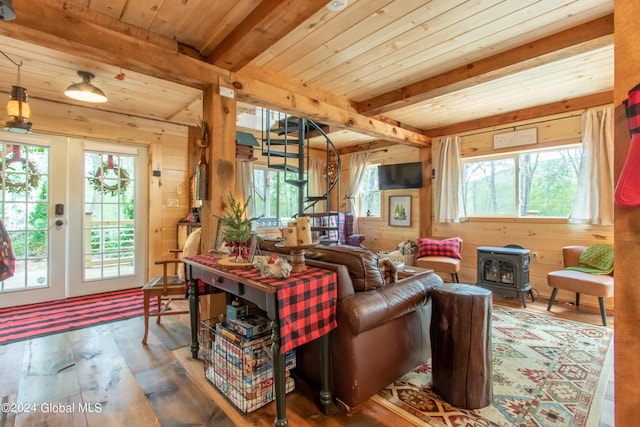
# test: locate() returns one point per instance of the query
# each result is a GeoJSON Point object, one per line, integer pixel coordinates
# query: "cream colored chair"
{"type": "Point", "coordinates": [440, 255]}
{"type": "Point", "coordinates": [166, 287]}
{"type": "Point", "coordinates": [580, 282]}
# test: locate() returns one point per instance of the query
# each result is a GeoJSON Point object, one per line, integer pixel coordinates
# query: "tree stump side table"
{"type": "Point", "coordinates": [461, 345]}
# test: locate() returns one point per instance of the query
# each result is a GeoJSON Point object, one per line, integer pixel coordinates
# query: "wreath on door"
{"type": "Point", "coordinates": [109, 178]}
{"type": "Point", "coordinates": [30, 169]}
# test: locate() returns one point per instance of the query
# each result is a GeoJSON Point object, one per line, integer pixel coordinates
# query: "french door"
{"type": "Point", "coordinates": [75, 211]}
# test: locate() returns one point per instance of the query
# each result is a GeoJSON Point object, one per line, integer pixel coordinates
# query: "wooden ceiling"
{"type": "Point", "coordinates": [426, 68]}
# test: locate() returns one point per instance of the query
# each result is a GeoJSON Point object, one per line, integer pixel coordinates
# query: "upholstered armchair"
{"type": "Point", "coordinates": [340, 224]}
{"type": "Point", "coordinates": [440, 255]}
{"type": "Point", "coordinates": [578, 276]}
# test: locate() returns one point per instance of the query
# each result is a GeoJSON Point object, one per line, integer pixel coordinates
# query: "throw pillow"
{"type": "Point", "coordinates": [596, 259]}
{"type": "Point", "coordinates": [388, 270]}
{"type": "Point", "coordinates": [191, 248]}
{"type": "Point", "coordinates": [446, 247]}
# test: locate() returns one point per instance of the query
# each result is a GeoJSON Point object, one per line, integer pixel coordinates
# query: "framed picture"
{"type": "Point", "coordinates": [219, 240]}
{"type": "Point", "coordinates": [400, 211]}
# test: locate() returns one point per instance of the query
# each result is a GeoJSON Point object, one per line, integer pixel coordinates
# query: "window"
{"type": "Point", "coordinates": [274, 199]}
{"type": "Point", "coordinates": [369, 196]}
{"type": "Point", "coordinates": [534, 183]}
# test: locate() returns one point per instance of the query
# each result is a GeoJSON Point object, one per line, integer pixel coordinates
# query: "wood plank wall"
{"type": "Point", "coordinates": [545, 237]}
{"type": "Point", "coordinates": [627, 225]}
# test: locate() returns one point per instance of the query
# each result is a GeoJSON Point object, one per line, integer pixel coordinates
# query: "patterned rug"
{"type": "Point", "coordinates": [36, 320]}
{"type": "Point", "coordinates": [547, 372]}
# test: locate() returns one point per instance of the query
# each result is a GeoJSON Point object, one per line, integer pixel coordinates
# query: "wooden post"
{"type": "Point", "coordinates": [220, 113]}
{"type": "Point", "coordinates": [425, 213]}
{"type": "Point", "coordinates": [627, 224]}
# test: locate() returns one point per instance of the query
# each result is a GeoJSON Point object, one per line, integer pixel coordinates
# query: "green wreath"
{"type": "Point", "coordinates": [32, 181]}
{"type": "Point", "coordinates": [98, 184]}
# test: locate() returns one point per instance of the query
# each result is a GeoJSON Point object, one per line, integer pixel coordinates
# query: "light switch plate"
{"type": "Point", "coordinates": [227, 92]}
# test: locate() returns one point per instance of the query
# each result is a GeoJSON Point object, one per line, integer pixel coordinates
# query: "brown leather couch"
{"type": "Point", "coordinates": [383, 329]}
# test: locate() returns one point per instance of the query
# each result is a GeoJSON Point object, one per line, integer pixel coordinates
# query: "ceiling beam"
{"type": "Point", "coordinates": [583, 38]}
{"type": "Point", "coordinates": [298, 103]}
{"type": "Point", "coordinates": [589, 101]}
{"type": "Point", "coordinates": [43, 23]}
{"type": "Point", "coordinates": [261, 29]}
{"type": "Point", "coordinates": [365, 146]}
{"type": "Point", "coordinates": [84, 33]}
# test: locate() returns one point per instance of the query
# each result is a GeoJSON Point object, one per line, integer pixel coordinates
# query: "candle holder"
{"type": "Point", "coordinates": [297, 255]}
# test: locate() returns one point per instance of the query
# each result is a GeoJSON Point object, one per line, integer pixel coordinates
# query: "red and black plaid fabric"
{"type": "Point", "coordinates": [627, 192]}
{"type": "Point", "coordinates": [446, 247]}
{"type": "Point", "coordinates": [7, 259]}
{"type": "Point", "coordinates": [632, 105]}
{"type": "Point", "coordinates": [306, 302]}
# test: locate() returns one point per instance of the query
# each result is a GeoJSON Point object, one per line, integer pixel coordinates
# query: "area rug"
{"type": "Point", "coordinates": [547, 372]}
{"type": "Point", "coordinates": [36, 320]}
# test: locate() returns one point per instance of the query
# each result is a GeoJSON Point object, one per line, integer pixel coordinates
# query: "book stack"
{"type": "Point", "coordinates": [242, 368]}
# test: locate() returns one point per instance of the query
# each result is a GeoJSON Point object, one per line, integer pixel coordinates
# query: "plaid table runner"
{"type": "Point", "coordinates": [306, 301]}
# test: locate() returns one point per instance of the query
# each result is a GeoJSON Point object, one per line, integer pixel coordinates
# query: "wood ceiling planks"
{"type": "Point", "coordinates": [371, 48]}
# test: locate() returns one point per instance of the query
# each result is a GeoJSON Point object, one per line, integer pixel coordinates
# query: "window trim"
{"type": "Point", "coordinates": [515, 154]}
{"type": "Point", "coordinates": [360, 191]}
{"type": "Point", "coordinates": [269, 222]}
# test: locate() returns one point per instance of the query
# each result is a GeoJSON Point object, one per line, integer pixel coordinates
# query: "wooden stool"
{"type": "Point", "coordinates": [461, 345]}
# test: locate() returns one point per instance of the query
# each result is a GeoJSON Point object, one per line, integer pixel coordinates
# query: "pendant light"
{"type": "Point", "coordinates": [85, 91]}
{"type": "Point", "coordinates": [18, 106]}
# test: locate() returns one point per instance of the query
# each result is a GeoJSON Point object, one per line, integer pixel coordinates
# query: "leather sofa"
{"type": "Point", "coordinates": [382, 329]}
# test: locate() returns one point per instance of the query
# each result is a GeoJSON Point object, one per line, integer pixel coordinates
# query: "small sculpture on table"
{"type": "Point", "coordinates": [272, 266]}
{"type": "Point", "coordinates": [297, 238]}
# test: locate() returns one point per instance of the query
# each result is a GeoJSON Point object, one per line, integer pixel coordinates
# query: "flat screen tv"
{"type": "Point", "coordinates": [401, 175]}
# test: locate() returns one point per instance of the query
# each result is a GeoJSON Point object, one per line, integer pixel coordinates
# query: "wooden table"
{"type": "Point", "coordinates": [271, 295]}
{"type": "Point", "coordinates": [411, 270]}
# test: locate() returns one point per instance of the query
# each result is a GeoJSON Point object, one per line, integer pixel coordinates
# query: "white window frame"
{"type": "Point", "coordinates": [517, 196]}
{"type": "Point", "coordinates": [362, 192]}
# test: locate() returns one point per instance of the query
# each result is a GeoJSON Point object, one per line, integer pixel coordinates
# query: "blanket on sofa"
{"type": "Point", "coordinates": [596, 259]}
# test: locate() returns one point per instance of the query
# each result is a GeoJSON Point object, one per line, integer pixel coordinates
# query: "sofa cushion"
{"type": "Point", "coordinates": [361, 263]}
{"type": "Point", "coordinates": [600, 285]}
{"type": "Point", "coordinates": [445, 247]}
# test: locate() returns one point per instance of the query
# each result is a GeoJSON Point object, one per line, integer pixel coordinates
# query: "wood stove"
{"type": "Point", "coordinates": [505, 271]}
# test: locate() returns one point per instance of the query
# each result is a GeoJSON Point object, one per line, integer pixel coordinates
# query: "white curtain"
{"type": "Point", "coordinates": [448, 199]}
{"type": "Point", "coordinates": [244, 185]}
{"type": "Point", "coordinates": [357, 166]}
{"type": "Point", "coordinates": [594, 196]}
{"type": "Point", "coordinates": [317, 181]}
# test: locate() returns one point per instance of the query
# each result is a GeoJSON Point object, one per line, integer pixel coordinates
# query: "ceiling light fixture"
{"type": "Point", "coordinates": [18, 106]}
{"type": "Point", "coordinates": [85, 91]}
{"type": "Point", "coordinates": [337, 5]}
{"type": "Point", "coordinates": [6, 11]}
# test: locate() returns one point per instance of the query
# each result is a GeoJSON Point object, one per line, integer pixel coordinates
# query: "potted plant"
{"type": "Point", "coordinates": [236, 227]}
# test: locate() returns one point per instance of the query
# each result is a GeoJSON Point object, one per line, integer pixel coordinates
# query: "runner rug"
{"type": "Point", "coordinates": [36, 320]}
{"type": "Point", "coordinates": [547, 372]}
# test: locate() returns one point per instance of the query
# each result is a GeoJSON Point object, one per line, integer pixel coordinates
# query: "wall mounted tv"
{"type": "Point", "coordinates": [401, 175]}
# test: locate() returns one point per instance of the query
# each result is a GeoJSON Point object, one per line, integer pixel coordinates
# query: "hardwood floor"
{"type": "Point", "coordinates": [104, 376]}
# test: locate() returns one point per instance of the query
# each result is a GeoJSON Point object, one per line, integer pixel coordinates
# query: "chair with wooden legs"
{"type": "Point", "coordinates": [440, 255]}
{"type": "Point", "coordinates": [167, 287]}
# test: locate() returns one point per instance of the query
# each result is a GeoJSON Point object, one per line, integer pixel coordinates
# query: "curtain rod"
{"type": "Point", "coordinates": [518, 126]}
